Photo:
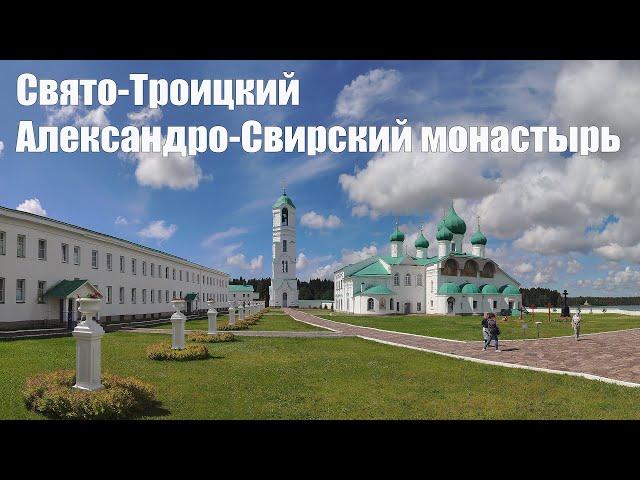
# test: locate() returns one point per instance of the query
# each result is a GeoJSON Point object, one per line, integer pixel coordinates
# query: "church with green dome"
{"type": "Point", "coordinates": [443, 279]}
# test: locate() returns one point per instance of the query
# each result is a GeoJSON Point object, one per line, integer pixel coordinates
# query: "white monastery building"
{"type": "Point", "coordinates": [283, 291]}
{"type": "Point", "coordinates": [46, 264]}
{"type": "Point", "coordinates": [242, 294]}
{"type": "Point", "coordinates": [448, 281]}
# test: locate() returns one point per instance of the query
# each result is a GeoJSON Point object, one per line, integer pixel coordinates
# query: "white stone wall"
{"type": "Point", "coordinates": [53, 270]}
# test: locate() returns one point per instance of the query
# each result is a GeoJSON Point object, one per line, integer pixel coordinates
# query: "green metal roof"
{"type": "Point", "coordinates": [241, 288]}
{"type": "Point", "coordinates": [284, 199]}
{"type": "Point", "coordinates": [454, 223]}
{"type": "Point", "coordinates": [375, 269]}
{"type": "Point", "coordinates": [489, 289]}
{"type": "Point", "coordinates": [448, 288]}
{"type": "Point", "coordinates": [470, 288]}
{"type": "Point", "coordinates": [64, 288]}
{"type": "Point", "coordinates": [376, 290]}
{"type": "Point", "coordinates": [190, 296]}
{"type": "Point", "coordinates": [509, 290]}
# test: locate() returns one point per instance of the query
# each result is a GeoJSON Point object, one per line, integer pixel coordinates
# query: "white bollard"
{"type": "Point", "coordinates": [178, 320]}
{"type": "Point", "coordinates": [241, 313]}
{"type": "Point", "coordinates": [212, 315]}
{"type": "Point", "coordinates": [88, 335]}
{"type": "Point", "coordinates": [232, 315]}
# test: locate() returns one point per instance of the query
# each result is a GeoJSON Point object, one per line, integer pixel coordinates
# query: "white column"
{"type": "Point", "coordinates": [232, 315]}
{"type": "Point", "coordinates": [212, 315]}
{"type": "Point", "coordinates": [88, 335]}
{"type": "Point", "coordinates": [177, 325]}
{"type": "Point", "coordinates": [241, 312]}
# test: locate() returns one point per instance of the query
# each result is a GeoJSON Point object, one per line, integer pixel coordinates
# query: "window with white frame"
{"type": "Point", "coordinates": [42, 249]}
{"type": "Point", "coordinates": [76, 255]}
{"type": "Point", "coordinates": [109, 261]}
{"type": "Point", "coordinates": [166, 296]}
{"type": "Point", "coordinates": [42, 288]}
{"type": "Point", "coordinates": [3, 243]}
{"type": "Point", "coordinates": [94, 258]}
{"type": "Point", "coordinates": [134, 295]}
{"type": "Point", "coordinates": [109, 294]}
{"type": "Point", "coordinates": [133, 266]}
{"type": "Point", "coordinates": [144, 295]}
{"type": "Point", "coordinates": [20, 290]}
{"type": "Point", "coordinates": [1, 290]}
{"type": "Point", "coordinates": [65, 253]}
{"type": "Point", "coordinates": [407, 279]}
{"type": "Point", "coordinates": [419, 307]}
{"type": "Point", "coordinates": [396, 280]}
{"type": "Point", "coordinates": [144, 268]}
{"type": "Point", "coordinates": [419, 280]}
{"type": "Point", "coordinates": [121, 264]}
{"type": "Point", "coordinates": [153, 269]}
{"type": "Point", "coordinates": [121, 295]}
{"type": "Point", "coordinates": [21, 246]}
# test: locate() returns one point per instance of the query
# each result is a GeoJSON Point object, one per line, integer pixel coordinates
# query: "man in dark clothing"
{"type": "Point", "coordinates": [493, 332]}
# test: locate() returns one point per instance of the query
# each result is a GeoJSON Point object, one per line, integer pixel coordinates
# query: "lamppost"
{"type": "Point", "coordinates": [565, 309]}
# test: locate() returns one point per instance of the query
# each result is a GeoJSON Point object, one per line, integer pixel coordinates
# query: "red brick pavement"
{"type": "Point", "coordinates": [612, 355]}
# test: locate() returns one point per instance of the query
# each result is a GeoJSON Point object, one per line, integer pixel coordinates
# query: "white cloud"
{"type": "Point", "coordinates": [79, 115]}
{"type": "Point", "coordinates": [302, 261]}
{"type": "Point", "coordinates": [32, 205]}
{"type": "Point", "coordinates": [145, 116]}
{"type": "Point", "coordinates": [317, 221]}
{"type": "Point", "coordinates": [239, 260]}
{"type": "Point", "coordinates": [122, 221]}
{"type": "Point", "coordinates": [91, 118]}
{"type": "Point", "coordinates": [1, 146]}
{"type": "Point", "coordinates": [173, 171]}
{"type": "Point", "coordinates": [229, 233]}
{"type": "Point", "coordinates": [158, 230]}
{"type": "Point", "coordinates": [356, 99]}
{"type": "Point", "coordinates": [523, 268]}
{"type": "Point", "coordinates": [573, 266]}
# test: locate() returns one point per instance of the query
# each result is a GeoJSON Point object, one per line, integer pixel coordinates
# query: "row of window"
{"type": "Point", "coordinates": [42, 288]}
{"type": "Point", "coordinates": [407, 280]}
{"type": "Point", "coordinates": [155, 270]}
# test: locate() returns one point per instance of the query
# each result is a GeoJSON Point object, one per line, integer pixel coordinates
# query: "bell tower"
{"type": "Point", "coordinates": [283, 291]}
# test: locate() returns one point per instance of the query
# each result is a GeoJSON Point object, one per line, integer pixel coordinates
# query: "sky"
{"type": "Point", "coordinates": [552, 220]}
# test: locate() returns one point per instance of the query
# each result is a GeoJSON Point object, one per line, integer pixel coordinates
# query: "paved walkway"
{"type": "Point", "coordinates": [609, 356]}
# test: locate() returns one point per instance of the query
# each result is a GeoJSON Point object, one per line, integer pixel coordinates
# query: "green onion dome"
{"type": "Point", "coordinates": [444, 234]}
{"type": "Point", "coordinates": [509, 290]}
{"type": "Point", "coordinates": [478, 238]}
{"type": "Point", "coordinates": [397, 236]}
{"type": "Point", "coordinates": [454, 223]}
{"type": "Point", "coordinates": [421, 242]}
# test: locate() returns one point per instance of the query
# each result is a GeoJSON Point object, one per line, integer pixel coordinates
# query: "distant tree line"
{"type": "Point", "coordinates": [315, 289]}
{"type": "Point", "coordinates": [541, 297]}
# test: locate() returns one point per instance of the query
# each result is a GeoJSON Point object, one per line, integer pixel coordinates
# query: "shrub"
{"type": "Point", "coordinates": [163, 351]}
{"type": "Point", "coordinates": [52, 394]}
{"type": "Point", "coordinates": [206, 338]}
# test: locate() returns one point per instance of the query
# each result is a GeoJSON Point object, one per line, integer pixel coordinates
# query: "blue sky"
{"type": "Point", "coordinates": [552, 220]}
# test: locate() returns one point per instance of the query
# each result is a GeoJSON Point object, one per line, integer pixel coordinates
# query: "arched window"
{"type": "Point", "coordinates": [283, 266]}
{"type": "Point", "coordinates": [489, 270]}
{"type": "Point", "coordinates": [453, 246]}
{"type": "Point", "coordinates": [407, 279]}
{"type": "Point", "coordinates": [431, 286]}
{"type": "Point", "coordinates": [450, 268]}
{"type": "Point", "coordinates": [370, 304]}
{"type": "Point", "coordinates": [396, 280]}
{"type": "Point", "coordinates": [285, 216]}
{"type": "Point", "coordinates": [391, 304]}
{"type": "Point", "coordinates": [284, 245]}
{"type": "Point", "coordinates": [470, 268]}
{"type": "Point", "coordinates": [419, 280]}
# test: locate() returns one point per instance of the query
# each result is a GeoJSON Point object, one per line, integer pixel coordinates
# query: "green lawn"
{"type": "Point", "coordinates": [282, 323]}
{"type": "Point", "coordinates": [468, 327]}
{"type": "Point", "coordinates": [322, 378]}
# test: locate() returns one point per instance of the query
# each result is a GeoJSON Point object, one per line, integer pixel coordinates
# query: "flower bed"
{"type": "Point", "coordinates": [163, 351]}
{"type": "Point", "coordinates": [206, 338]}
{"type": "Point", "coordinates": [52, 394]}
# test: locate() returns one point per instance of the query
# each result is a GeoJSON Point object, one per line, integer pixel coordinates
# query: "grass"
{"type": "Point", "coordinates": [319, 378]}
{"type": "Point", "coordinates": [468, 327]}
{"type": "Point", "coordinates": [269, 323]}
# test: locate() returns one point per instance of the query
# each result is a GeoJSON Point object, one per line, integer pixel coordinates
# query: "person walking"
{"type": "Point", "coordinates": [485, 327]}
{"type": "Point", "coordinates": [575, 322]}
{"type": "Point", "coordinates": [493, 330]}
